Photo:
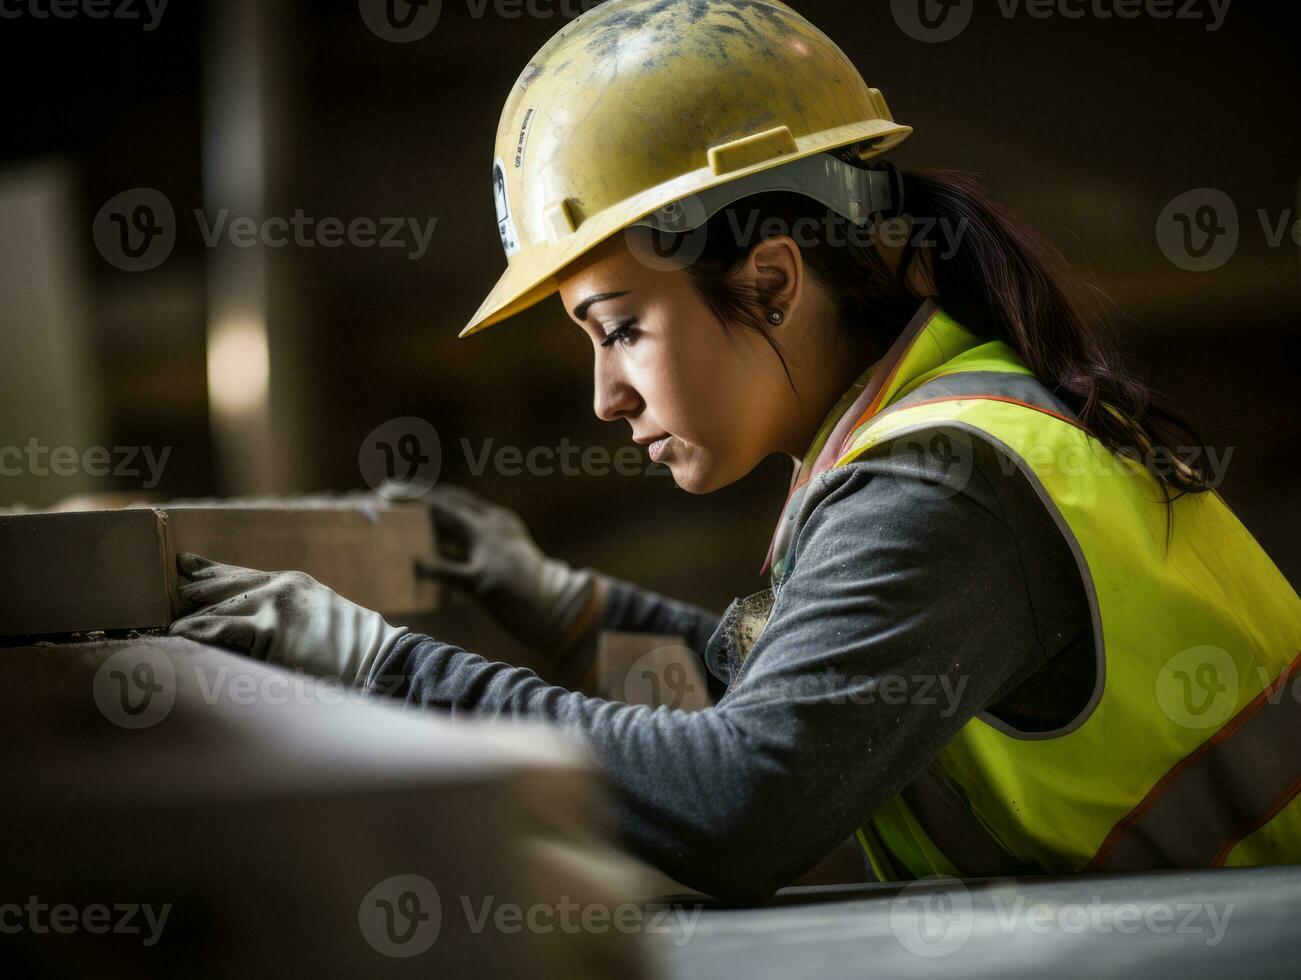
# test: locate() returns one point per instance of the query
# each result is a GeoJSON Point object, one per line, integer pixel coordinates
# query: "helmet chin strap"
{"type": "Point", "coordinates": [857, 192]}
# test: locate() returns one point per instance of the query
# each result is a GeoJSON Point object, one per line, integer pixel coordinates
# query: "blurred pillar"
{"type": "Point", "coordinates": [51, 395]}
{"type": "Point", "coordinates": [254, 394]}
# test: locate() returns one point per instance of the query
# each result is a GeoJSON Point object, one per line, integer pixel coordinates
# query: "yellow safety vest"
{"type": "Point", "coordinates": [1186, 754]}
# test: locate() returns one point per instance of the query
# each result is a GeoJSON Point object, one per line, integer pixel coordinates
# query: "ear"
{"type": "Point", "coordinates": [776, 267]}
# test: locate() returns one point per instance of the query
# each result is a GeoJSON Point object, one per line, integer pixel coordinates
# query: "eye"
{"type": "Point", "coordinates": [622, 334]}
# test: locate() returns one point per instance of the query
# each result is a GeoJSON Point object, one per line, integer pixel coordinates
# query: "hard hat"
{"type": "Point", "coordinates": [662, 111]}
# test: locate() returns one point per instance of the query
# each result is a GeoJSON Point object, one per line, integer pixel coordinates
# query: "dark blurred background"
{"type": "Point", "coordinates": [265, 368]}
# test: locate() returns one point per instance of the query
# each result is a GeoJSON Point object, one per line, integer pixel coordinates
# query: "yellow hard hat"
{"type": "Point", "coordinates": [637, 106]}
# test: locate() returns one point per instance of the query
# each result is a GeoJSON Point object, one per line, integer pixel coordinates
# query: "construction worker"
{"type": "Point", "coordinates": [1011, 629]}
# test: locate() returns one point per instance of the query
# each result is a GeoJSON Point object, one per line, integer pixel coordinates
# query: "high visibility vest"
{"type": "Point", "coordinates": [1186, 754]}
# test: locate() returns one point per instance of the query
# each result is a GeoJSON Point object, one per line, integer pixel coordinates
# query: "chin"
{"type": "Point", "coordinates": [688, 479]}
{"type": "Point", "coordinates": [693, 488]}
{"type": "Point", "coordinates": [694, 481]}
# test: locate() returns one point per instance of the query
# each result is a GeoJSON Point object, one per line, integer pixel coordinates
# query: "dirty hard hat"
{"type": "Point", "coordinates": [660, 112]}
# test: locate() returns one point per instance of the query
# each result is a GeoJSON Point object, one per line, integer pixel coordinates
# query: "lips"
{"type": "Point", "coordinates": [655, 444]}
{"type": "Point", "coordinates": [658, 447]}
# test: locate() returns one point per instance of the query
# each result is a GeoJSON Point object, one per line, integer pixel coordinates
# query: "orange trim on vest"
{"type": "Point", "coordinates": [1265, 818]}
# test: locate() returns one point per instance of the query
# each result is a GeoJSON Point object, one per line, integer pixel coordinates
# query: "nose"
{"type": "Point", "coordinates": [613, 398]}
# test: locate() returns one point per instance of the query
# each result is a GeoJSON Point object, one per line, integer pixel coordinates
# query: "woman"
{"type": "Point", "coordinates": [1011, 629]}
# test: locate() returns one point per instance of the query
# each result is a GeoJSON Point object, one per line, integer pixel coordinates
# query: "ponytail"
{"type": "Point", "coordinates": [1004, 280]}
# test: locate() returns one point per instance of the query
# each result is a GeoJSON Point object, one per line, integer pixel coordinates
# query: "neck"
{"type": "Point", "coordinates": [820, 386]}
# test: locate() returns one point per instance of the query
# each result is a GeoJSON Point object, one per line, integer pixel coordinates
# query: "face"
{"type": "Point", "coordinates": [664, 365]}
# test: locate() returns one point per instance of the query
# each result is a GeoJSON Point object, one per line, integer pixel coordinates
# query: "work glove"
{"type": "Point", "coordinates": [486, 551]}
{"type": "Point", "coordinates": [285, 618]}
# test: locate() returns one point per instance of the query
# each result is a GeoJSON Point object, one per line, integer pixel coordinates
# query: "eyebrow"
{"type": "Point", "coordinates": [580, 311]}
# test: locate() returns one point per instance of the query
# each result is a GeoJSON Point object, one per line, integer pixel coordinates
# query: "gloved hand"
{"type": "Point", "coordinates": [487, 551]}
{"type": "Point", "coordinates": [286, 618]}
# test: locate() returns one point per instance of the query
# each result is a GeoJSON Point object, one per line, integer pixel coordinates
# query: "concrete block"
{"type": "Point", "coordinates": [116, 569]}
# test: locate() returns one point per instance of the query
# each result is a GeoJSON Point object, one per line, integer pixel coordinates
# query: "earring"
{"type": "Point", "coordinates": [776, 316]}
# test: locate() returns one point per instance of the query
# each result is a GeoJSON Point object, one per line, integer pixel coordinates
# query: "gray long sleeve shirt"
{"type": "Point", "coordinates": [915, 597]}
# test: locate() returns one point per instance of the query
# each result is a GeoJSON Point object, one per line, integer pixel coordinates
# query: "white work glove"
{"type": "Point", "coordinates": [285, 618]}
{"type": "Point", "coordinates": [487, 551]}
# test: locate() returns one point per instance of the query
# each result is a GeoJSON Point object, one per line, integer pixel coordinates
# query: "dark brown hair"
{"type": "Point", "coordinates": [996, 276]}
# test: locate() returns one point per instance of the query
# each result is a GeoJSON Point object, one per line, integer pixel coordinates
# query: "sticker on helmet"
{"type": "Point", "coordinates": [523, 138]}
{"type": "Point", "coordinates": [505, 224]}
